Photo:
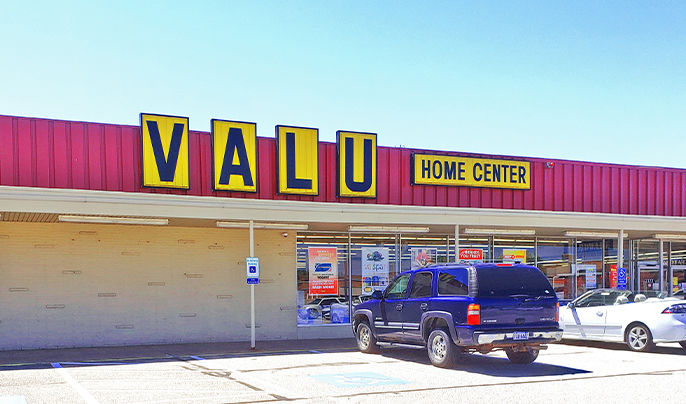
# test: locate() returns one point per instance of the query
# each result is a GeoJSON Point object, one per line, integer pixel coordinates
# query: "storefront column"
{"type": "Point", "coordinates": [620, 249]}
{"type": "Point", "coordinates": [252, 289]}
{"type": "Point", "coordinates": [661, 257]}
{"type": "Point", "coordinates": [457, 243]}
{"type": "Point", "coordinates": [670, 272]}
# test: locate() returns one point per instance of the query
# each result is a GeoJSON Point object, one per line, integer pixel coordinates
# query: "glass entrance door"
{"type": "Point", "coordinates": [677, 262]}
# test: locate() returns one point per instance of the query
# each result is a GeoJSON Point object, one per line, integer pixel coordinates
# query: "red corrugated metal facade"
{"type": "Point", "coordinates": [62, 154]}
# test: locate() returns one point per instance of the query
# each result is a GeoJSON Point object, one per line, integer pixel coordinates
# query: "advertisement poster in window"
{"type": "Point", "coordinates": [423, 257]}
{"type": "Point", "coordinates": [471, 254]}
{"type": "Point", "coordinates": [591, 278]}
{"type": "Point", "coordinates": [323, 265]}
{"type": "Point", "coordinates": [374, 269]}
{"type": "Point", "coordinates": [514, 256]}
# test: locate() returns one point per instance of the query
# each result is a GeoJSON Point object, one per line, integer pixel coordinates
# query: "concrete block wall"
{"type": "Point", "coordinates": [69, 285]}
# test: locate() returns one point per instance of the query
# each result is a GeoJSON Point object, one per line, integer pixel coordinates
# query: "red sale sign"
{"type": "Point", "coordinates": [471, 254]}
{"type": "Point", "coordinates": [613, 276]}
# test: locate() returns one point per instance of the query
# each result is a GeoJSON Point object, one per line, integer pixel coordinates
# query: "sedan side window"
{"type": "Point", "coordinates": [421, 285]}
{"type": "Point", "coordinates": [592, 301]}
{"type": "Point", "coordinates": [398, 289]}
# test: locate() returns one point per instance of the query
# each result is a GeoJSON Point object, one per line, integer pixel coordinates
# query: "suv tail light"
{"type": "Point", "coordinates": [474, 314]}
{"type": "Point", "coordinates": [673, 309]}
{"type": "Point", "coordinates": [557, 312]}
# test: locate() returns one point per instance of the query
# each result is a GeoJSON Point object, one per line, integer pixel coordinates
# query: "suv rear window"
{"type": "Point", "coordinates": [453, 282]}
{"type": "Point", "coordinates": [506, 281]}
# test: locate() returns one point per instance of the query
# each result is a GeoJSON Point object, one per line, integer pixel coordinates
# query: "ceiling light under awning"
{"type": "Point", "coordinates": [387, 229]}
{"type": "Point", "coordinates": [112, 220]}
{"type": "Point", "coordinates": [518, 232]}
{"type": "Point", "coordinates": [262, 225]}
{"type": "Point", "coordinates": [593, 234]}
{"type": "Point", "coordinates": [661, 236]}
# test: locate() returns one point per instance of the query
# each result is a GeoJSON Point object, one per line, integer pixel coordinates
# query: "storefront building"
{"type": "Point", "coordinates": [117, 234]}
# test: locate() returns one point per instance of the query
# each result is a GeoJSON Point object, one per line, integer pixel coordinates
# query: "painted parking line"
{"type": "Point", "coordinates": [358, 379]}
{"type": "Point", "coordinates": [13, 400]}
{"type": "Point", "coordinates": [97, 363]}
{"type": "Point", "coordinates": [87, 397]}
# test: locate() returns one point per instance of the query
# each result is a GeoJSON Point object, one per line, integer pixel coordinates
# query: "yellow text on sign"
{"type": "Point", "coordinates": [234, 146]}
{"type": "Point", "coordinates": [165, 151]}
{"type": "Point", "coordinates": [356, 164]}
{"type": "Point", "coordinates": [431, 169]}
{"type": "Point", "coordinates": [297, 155]}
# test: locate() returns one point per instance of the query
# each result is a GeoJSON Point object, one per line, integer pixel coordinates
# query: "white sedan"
{"type": "Point", "coordinates": [625, 316]}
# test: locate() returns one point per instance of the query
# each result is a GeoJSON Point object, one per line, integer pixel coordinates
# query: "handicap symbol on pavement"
{"type": "Point", "coordinates": [358, 379]}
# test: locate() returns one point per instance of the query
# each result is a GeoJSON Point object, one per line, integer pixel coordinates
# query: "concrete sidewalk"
{"type": "Point", "coordinates": [169, 351]}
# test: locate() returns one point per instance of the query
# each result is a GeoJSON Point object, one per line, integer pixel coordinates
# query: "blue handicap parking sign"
{"type": "Point", "coordinates": [358, 379]}
{"type": "Point", "coordinates": [621, 278]}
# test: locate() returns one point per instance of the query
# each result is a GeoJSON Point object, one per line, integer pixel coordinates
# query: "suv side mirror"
{"type": "Point", "coordinates": [570, 305]}
{"type": "Point", "coordinates": [377, 294]}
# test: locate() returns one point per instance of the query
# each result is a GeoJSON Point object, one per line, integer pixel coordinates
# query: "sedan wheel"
{"type": "Point", "coordinates": [638, 338]}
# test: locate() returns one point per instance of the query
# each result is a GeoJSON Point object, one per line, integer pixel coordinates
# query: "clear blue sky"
{"type": "Point", "coordinates": [584, 80]}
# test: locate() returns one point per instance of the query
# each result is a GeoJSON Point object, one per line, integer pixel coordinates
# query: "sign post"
{"type": "Point", "coordinates": [252, 270]}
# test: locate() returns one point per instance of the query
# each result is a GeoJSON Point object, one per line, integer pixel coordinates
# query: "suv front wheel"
{"type": "Point", "coordinates": [441, 349]}
{"type": "Point", "coordinates": [366, 340]}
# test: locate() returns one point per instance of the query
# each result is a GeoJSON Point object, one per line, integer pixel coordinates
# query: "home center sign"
{"type": "Point", "coordinates": [166, 160]}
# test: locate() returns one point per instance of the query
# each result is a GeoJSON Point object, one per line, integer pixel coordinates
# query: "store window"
{"type": "Point", "coordinates": [610, 263]}
{"type": "Point", "coordinates": [323, 281]}
{"type": "Point", "coordinates": [554, 258]}
{"type": "Point", "coordinates": [647, 264]}
{"type": "Point", "coordinates": [678, 264]}
{"type": "Point", "coordinates": [472, 247]}
{"type": "Point", "coordinates": [422, 251]}
{"type": "Point", "coordinates": [373, 264]}
{"type": "Point", "coordinates": [514, 250]}
{"type": "Point", "coordinates": [589, 265]}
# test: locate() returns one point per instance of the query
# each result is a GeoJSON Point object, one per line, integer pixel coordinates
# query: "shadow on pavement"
{"type": "Point", "coordinates": [128, 355]}
{"type": "Point", "coordinates": [620, 346]}
{"type": "Point", "coordinates": [486, 364]}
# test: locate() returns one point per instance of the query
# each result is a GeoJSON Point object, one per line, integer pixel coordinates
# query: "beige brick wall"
{"type": "Point", "coordinates": [65, 285]}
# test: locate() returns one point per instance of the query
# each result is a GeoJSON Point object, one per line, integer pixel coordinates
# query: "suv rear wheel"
{"type": "Point", "coordinates": [441, 349]}
{"type": "Point", "coordinates": [366, 340]}
{"type": "Point", "coordinates": [523, 357]}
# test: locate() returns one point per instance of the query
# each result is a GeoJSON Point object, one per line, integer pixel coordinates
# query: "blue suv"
{"type": "Point", "coordinates": [469, 308]}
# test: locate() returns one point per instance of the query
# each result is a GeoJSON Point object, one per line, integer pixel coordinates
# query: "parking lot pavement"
{"type": "Point", "coordinates": [333, 371]}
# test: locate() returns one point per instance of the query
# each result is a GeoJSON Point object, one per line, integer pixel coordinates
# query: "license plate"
{"type": "Point", "coordinates": [520, 335]}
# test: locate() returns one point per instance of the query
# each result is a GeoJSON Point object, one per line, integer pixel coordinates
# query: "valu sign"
{"type": "Point", "coordinates": [165, 160]}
